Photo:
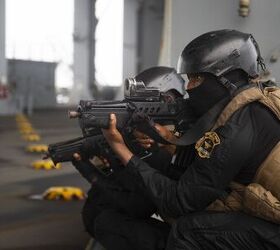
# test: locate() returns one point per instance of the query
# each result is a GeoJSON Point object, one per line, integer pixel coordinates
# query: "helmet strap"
{"type": "Point", "coordinates": [229, 85]}
{"type": "Point", "coordinates": [259, 59]}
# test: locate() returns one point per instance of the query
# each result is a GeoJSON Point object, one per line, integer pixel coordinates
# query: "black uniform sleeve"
{"type": "Point", "coordinates": [163, 157]}
{"type": "Point", "coordinates": [206, 178]}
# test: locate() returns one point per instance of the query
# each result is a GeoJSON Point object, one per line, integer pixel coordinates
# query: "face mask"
{"type": "Point", "coordinates": [206, 95]}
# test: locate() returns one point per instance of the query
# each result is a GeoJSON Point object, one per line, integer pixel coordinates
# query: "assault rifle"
{"type": "Point", "coordinates": [87, 148]}
{"type": "Point", "coordinates": [141, 108]}
{"type": "Point", "coordinates": [158, 100]}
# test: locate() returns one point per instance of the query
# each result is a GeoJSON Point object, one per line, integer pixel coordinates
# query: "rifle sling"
{"type": "Point", "coordinates": [202, 125]}
{"type": "Point", "coordinates": [205, 122]}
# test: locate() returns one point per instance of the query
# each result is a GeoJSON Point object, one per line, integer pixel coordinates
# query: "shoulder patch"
{"type": "Point", "coordinates": [206, 144]}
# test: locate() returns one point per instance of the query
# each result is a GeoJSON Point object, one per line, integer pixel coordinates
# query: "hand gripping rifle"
{"type": "Point", "coordinates": [87, 148]}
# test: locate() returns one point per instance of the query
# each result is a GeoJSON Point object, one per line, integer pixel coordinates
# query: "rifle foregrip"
{"type": "Point", "coordinates": [94, 121]}
{"type": "Point", "coordinates": [103, 120]}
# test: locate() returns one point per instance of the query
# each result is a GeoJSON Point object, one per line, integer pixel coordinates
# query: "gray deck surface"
{"type": "Point", "coordinates": [35, 224]}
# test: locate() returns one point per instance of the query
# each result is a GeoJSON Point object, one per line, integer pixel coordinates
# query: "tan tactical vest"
{"type": "Point", "coordinates": [260, 198]}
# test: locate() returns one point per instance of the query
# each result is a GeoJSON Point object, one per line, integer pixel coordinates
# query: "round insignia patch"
{"type": "Point", "coordinates": [205, 145]}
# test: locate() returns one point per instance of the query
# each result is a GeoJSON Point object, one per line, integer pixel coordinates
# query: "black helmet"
{"type": "Point", "coordinates": [219, 52]}
{"type": "Point", "coordinates": [163, 78]}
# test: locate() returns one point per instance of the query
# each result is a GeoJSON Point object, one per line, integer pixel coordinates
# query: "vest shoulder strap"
{"type": "Point", "coordinates": [270, 97]}
{"type": "Point", "coordinates": [272, 100]}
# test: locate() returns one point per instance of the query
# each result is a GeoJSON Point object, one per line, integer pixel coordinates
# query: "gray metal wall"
{"type": "Point", "coordinates": [191, 18]}
{"type": "Point", "coordinates": [149, 33]}
{"type": "Point", "coordinates": [130, 38]}
{"type": "Point", "coordinates": [3, 67]}
{"type": "Point", "coordinates": [142, 35]}
{"type": "Point", "coordinates": [83, 39]}
{"type": "Point", "coordinates": [33, 81]}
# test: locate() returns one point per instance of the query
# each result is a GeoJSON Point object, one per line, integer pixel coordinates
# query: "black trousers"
{"type": "Point", "coordinates": [211, 230]}
{"type": "Point", "coordinates": [127, 225]}
{"type": "Point", "coordinates": [119, 217]}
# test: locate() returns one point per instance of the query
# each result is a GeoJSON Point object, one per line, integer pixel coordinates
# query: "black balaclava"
{"type": "Point", "coordinates": [210, 92]}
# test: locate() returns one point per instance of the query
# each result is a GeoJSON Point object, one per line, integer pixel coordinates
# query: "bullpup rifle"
{"type": "Point", "coordinates": [141, 108]}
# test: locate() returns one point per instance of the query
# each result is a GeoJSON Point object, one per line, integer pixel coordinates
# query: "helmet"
{"type": "Point", "coordinates": [163, 78]}
{"type": "Point", "coordinates": [219, 52]}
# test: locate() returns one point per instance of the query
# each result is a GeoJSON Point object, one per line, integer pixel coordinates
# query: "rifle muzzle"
{"type": "Point", "coordinates": [73, 114]}
{"type": "Point", "coordinates": [46, 156]}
